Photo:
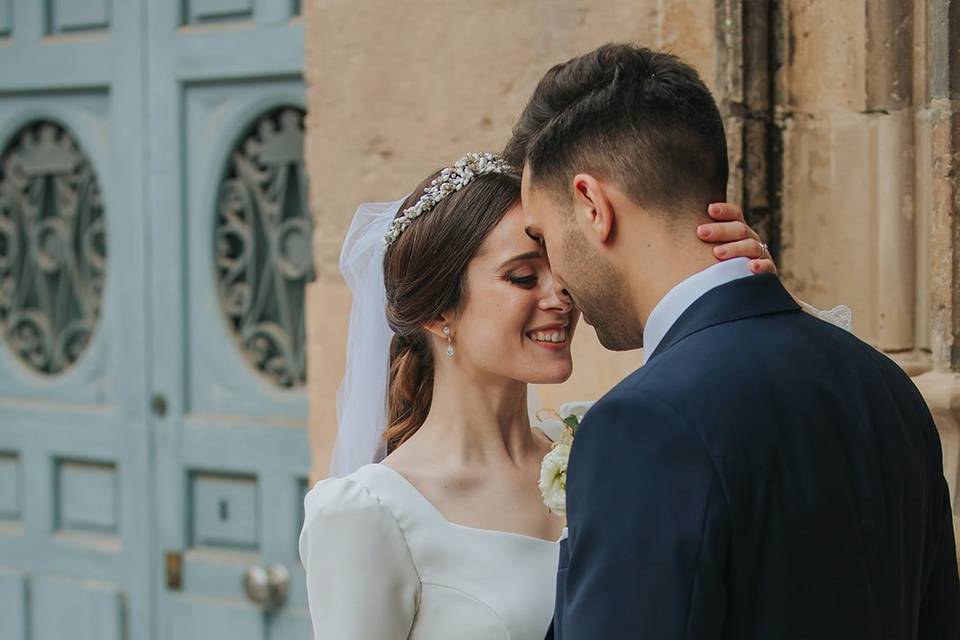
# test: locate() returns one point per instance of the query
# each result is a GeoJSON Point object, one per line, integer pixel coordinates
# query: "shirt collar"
{"type": "Point", "coordinates": [684, 294]}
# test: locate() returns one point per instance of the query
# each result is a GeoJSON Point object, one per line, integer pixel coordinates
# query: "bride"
{"type": "Point", "coordinates": [434, 527]}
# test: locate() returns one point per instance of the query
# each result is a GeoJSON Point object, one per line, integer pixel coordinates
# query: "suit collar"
{"type": "Point", "coordinates": [680, 297]}
{"type": "Point", "coordinates": [743, 298]}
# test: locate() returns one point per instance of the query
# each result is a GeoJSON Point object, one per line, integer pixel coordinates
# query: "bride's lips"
{"type": "Point", "coordinates": [553, 337]}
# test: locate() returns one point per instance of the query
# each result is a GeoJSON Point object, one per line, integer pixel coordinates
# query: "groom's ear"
{"type": "Point", "coordinates": [593, 208]}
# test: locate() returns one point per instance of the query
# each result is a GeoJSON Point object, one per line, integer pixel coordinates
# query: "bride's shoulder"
{"type": "Point", "coordinates": [346, 523]}
{"type": "Point", "coordinates": [341, 497]}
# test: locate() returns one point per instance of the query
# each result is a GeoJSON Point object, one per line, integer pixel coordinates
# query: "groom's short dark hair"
{"type": "Point", "coordinates": [640, 117]}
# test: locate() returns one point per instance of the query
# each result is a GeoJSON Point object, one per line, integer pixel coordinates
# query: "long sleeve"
{"type": "Point", "coordinates": [649, 527]}
{"type": "Point", "coordinates": [361, 580]}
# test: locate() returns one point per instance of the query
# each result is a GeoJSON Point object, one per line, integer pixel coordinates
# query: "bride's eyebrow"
{"type": "Point", "coordinates": [529, 255]}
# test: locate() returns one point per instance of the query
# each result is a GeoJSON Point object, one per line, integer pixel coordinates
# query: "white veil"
{"type": "Point", "coordinates": [362, 397]}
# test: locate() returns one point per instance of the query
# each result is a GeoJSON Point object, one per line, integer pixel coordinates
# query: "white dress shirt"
{"type": "Point", "coordinates": [679, 299]}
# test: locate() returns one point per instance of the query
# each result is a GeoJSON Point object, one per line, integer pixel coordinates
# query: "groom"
{"type": "Point", "coordinates": [765, 475]}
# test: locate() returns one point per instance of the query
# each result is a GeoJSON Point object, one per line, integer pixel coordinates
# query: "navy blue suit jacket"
{"type": "Point", "coordinates": [764, 475]}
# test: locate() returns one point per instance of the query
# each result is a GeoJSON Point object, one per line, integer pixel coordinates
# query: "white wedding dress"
{"type": "Point", "coordinates": [383, 564]}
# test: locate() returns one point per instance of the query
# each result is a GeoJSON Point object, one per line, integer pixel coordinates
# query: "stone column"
{"type": "Point", "coordinates": [938, 197]}
{"type": "Point", "coordinates": [748, 55]}
{"type": "Point", "coordinates": [844, 103]}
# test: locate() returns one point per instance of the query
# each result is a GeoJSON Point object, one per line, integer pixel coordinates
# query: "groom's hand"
{"type": "Point", "coordinates": [734, 239]}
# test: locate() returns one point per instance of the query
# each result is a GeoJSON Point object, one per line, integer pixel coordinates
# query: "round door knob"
{"type": "Point", "coordinates": [279, 580]}
{"type": "Point", "coordinates": [267, 587]}
{"type": "Point", "coordinates": [256, 585]}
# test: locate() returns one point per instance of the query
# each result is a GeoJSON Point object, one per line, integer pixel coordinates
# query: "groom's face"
{"type": "Point", "coordinates": [580, 271]}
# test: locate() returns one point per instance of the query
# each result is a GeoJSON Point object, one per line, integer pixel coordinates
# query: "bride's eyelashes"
{"type": "Point", "coordinates": [527, 282]}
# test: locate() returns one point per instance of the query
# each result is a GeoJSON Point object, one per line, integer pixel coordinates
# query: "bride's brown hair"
{"type": "Point", "coordinates": [424, 272]}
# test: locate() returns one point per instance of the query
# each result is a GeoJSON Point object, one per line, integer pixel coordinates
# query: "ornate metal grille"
{"type": "Point", "coordinates": [53, 247]}
{"type": "Point", "coordinates": [263, 245]}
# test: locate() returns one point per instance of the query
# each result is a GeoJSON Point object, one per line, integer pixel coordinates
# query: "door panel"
{"type": "Point", "coordinates": [75, 507]}
{"type": "Point", "coordinates": [79, 610]}
{"type": "Point", "coordinates": [81, 120]}
{"type": "Point", "coordinates": [13, 603]}
{"type": "Point", "coordinates": [217, 120]}
{"type": "Point", "coordinates": [152, 440]}
{"type": "Point", "coordinates": [227, 235]}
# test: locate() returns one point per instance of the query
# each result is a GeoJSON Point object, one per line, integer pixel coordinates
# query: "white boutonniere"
{"type": "Point", "coordinates": [553, 469]}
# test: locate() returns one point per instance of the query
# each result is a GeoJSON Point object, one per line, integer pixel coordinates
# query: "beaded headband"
{"type": "Point", "coordinates": [450, 180]}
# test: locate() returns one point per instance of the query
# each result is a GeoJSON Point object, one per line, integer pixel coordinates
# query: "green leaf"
{"type": "Point", "coordinates": [573, 422]}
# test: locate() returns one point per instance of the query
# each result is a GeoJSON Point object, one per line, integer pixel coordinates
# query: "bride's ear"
{"type": "Point", "coordinates": [439, 326]}
{"type": "Point", "coordinates": [592, 208]}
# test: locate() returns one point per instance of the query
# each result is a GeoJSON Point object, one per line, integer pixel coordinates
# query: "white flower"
{"type": "Point", "coordinates": [578, 408]}
{"type": "Point", "coordinates": [553, 478]}
{"type": "Point", "coordinates": [553, 469]}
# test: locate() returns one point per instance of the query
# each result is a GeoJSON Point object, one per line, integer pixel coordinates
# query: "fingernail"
{"type": "Point", "coordinates": [704, 231]}
{"type": "Point", "coordinates": [721, 252]}
{"type": "Point", "coordinates": [712, 208]}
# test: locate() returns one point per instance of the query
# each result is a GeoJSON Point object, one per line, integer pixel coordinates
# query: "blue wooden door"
{"type": "Point", "coordinates": [154, 245]}
{"type": "Point", "coordinates": [75, 459]}
{"type": "Point", "coordinates": [230, 255]}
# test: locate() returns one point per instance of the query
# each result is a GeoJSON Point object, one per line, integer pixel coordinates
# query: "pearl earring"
{"type": "Point", "coordinates": [446, 332]}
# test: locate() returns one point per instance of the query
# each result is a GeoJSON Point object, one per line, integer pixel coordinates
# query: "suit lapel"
{"type": "Point", "coordinates": [744, 298]}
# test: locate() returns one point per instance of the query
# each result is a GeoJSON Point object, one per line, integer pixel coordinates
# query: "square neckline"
{"type": "Point", "coordinates": [409, 486]}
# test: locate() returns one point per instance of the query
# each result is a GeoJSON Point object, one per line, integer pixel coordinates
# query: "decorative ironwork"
{"type": "Point", "coordinates": [263, 245]}
{"type": "Point", "coordinates": [53, 247]}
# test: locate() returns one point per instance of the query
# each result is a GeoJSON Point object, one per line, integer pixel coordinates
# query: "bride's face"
{"type": "Point", "coordinates": [512, 323]}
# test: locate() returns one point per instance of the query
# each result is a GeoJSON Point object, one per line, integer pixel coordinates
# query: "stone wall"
{"type": "Point", "coordinates": [845, 105]}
